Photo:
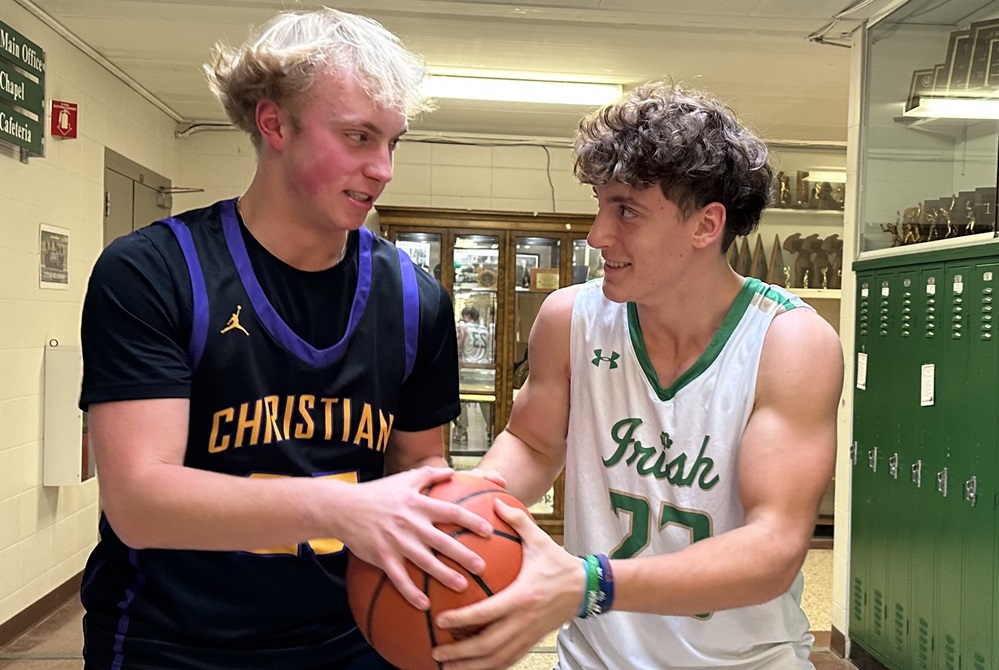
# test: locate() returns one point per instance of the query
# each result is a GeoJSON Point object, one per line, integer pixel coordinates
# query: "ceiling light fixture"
{"type": "Point", "coordinates": [954, 108]}
{"type": "Point", "coordinates": [520, 90]}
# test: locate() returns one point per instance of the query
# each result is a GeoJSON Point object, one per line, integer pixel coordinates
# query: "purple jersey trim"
{"type": "Point", "coordinates": [410, 309]}
{"type": "Point", "coordinates": [199, 323]}
{"type": "Point", "coordinates": [269, 317]}
{"type": "Point", "coordinates": [123, 621]}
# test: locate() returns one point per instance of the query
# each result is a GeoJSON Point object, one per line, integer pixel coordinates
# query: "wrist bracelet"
{"type": "Point", "coordinates": [599, 595]}
{"type": "Point", "coordinates": [589, 582]}
{"type": "Point", "coordinates": [606, 583]}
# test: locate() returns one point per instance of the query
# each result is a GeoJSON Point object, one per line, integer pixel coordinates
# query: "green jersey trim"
{"type": "Point", "coordinates": [752, 289]}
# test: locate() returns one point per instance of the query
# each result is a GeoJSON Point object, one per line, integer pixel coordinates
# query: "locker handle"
{"type": "Point", "coordinates": [917, 474]}
{"type": "Point", "coordinates": [853, 453]}
{"type": "Point", "coordinates": [971, 490]}
{"type": "Point", "coordinates": [942, 482]}
{"type": "Point", "coordinates": [872, 459]}
{"type": "Point", "coordinates": [893, 466]}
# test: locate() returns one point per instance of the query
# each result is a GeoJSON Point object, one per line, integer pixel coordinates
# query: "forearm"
{"type": "Point", "coordinates": [529, 472]}
{"type": "Point", "coordinates": [176, 507]}
{"type": "Point", "coordinates": [745, 566]}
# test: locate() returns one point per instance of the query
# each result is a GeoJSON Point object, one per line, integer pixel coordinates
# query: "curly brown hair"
{"type": "Point", "coordinates": [282, 61]}
{"type": "Point", "coordinates": [688, 143]}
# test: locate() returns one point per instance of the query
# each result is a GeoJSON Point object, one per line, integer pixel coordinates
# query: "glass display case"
{"type": "Point", "coordinates": [929, 126]}
{"type": "Point", "coordinates": [503, 266]}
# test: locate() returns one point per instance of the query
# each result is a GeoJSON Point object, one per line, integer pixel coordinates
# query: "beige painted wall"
{"type": "Point", "coordinates": [46, 533]}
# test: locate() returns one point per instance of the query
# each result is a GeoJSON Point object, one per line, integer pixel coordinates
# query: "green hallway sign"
{"type": "Point", "coordinates": [22, 91]}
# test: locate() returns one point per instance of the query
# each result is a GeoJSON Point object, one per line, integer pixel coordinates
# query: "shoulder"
{"type": "Point", "coordinates": [559, 304]}
{"type": "Point", "coordinates": [150, 249]}
{"type": "Point", "coordinates": [802, 330]}
{"type": "Point", "coordinates": [802, 355]}
{"type": "Point", "coordinates": [552, 325]}
{"type": "Point", "coordinates": [432, 292]}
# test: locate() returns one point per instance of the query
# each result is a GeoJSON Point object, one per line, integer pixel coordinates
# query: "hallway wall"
{"type": "Point", "coordinates": [46, 533]}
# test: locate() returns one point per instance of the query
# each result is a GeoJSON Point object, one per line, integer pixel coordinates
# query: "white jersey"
{"type": "Point", "coordinates": [476, 347]}
{"type": "Point", "coordinates": [651, 469]}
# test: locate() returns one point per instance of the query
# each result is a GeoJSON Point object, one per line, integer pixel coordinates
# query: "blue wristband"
{"type": "Point", "coordinates": [605, 584]}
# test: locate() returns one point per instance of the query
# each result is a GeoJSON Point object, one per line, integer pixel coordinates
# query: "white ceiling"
{"type": "Point", "coordinates": [754, 54]}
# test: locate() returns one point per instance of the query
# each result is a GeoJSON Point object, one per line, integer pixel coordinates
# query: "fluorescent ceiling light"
{"type": "Point", "coordinates": [521, 90]}
{"type": "Point", "coordinates": [955, 108]}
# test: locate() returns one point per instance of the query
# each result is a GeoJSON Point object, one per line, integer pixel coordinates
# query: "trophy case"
{"type": "Point", "coordinates": [928, 126]}
{"type": "Point", "coordinates": [498, 267]}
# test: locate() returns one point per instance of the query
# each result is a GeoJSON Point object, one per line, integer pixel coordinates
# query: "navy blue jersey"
{"type": "Point", "coordinates": [266, 402]}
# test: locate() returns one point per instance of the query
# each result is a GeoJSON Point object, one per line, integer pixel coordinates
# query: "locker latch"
{"type": "Point", "coordinates": [872, 459]}
{"type": "Point", "coordinates": [917, 474]}
{"type": "Point", "coordinates": [942, 482]}
{"type": "Point", "coordinates": [893, 466]}
{"type": "Point", "coordinates": [971, 490]}
{"type": "Point", "coordinates": [853, 453]}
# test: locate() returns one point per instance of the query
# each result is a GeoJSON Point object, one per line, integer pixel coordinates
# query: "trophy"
{"type": "Point", "coordinates": [946, 217]}
{"type": "Point", "coordinates": [745, 267]}
{"type": "Point", "coordinates": [969, 217]}
{"type": "Point", "coordinates": [821, 265]}
{"type": "Point", "coordinates": [803, 248]}
{"type": "Point", "coordinates": [833, 246]}
{"type": "Point", "coordinates": [759, 263]}
{"type": "Point", "coordinates": [783, 189]}
{"type": "Point", "coordinates": [776, 269]}
{"type": "Point", "coordinates": [892, 228]}
{"type": "Point", "coordinates": [804, 269]}
{"type": "Point", "coordinates": [792, 245]}
{"type": "Point", "coordinates": [801, 190]}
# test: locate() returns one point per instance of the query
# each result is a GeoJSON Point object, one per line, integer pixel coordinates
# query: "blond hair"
{"type": "Point", "coordinates": [282, 61]}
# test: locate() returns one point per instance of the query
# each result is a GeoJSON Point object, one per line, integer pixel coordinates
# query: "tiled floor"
{"type": "Point", "coordinates": [55, 643]}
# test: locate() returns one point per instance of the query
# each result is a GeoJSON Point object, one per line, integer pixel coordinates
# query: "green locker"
{"type": "Point", "coordinates": [951, 396]}
{"type": "Point", "coordinates": [979, 488]}
{"type": "Point", "coordinates": [925, 511]}
{"type": "Point", "coordinates": [900, 456]}
{"type": "Point", "coordinates": [881, 371]}
{"type": "Point", "coordinates": [876, 428]}
{"type": "Point", "coordinates": [862, 484]}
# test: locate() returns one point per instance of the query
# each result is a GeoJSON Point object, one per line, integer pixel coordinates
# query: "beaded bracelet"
{"type": "Point", "coordinates": [599, 595]}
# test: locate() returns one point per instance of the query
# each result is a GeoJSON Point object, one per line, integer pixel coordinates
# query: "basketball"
{"type": "Point", "coordinates": [404, 635]}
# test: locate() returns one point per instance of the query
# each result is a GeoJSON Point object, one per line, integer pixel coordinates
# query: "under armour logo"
{"type": "Point", "coordinates": [611, 360]}
{"type": "Point", "coordinates": [233, 323]}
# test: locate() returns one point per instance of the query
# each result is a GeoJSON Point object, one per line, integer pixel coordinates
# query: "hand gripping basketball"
{"type": "Point", "coordinates": [404, 635]}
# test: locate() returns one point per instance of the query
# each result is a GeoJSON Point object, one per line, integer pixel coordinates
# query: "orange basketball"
{"type": "Point", "coordinates": [402, 634]}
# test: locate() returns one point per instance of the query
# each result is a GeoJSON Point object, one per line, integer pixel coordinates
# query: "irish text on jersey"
{"type": "Point", "coordinates": [658, 461]}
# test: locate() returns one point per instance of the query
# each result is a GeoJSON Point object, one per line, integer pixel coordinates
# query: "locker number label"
{"type": "Point", "coordinates": [927, 381]}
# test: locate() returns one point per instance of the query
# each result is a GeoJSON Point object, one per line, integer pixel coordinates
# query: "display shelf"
{"type": "Point", "coordinates": [956, 128]}
{"type": "Point", "coordinates": [817, 213]}
{"type": "Point", "coordinates": [817, 293]}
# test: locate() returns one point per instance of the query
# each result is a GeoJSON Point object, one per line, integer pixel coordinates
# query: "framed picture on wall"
{"type": "Point", "coordinates": [526, 263]}
{"type": "Point", "coordinates": [418, 251]}
{"type": "Point", "coordinates": [53, 250]}
{"type": "Point", "coordinates": [470, 264]}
